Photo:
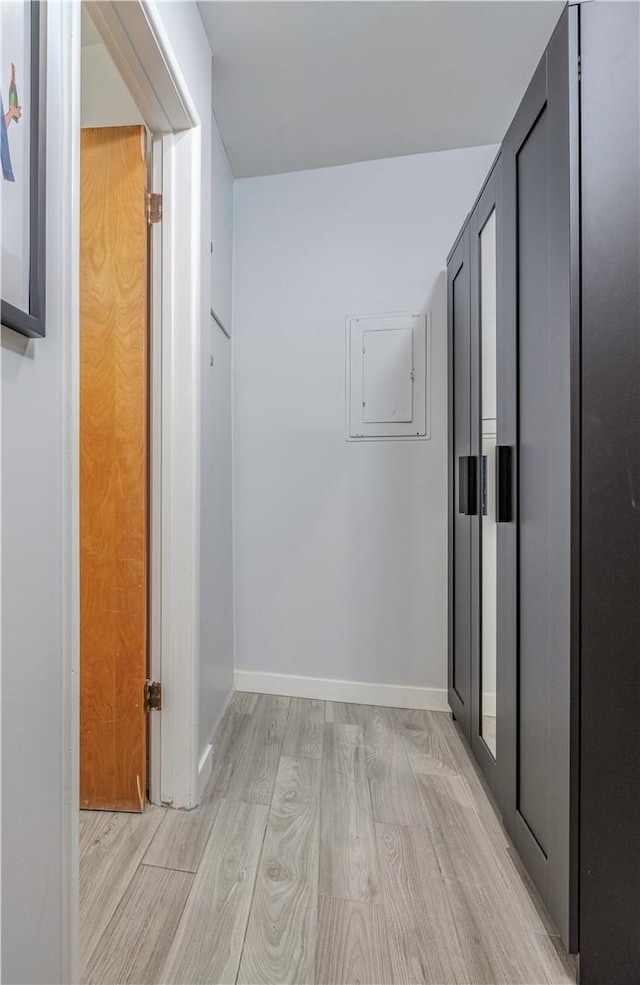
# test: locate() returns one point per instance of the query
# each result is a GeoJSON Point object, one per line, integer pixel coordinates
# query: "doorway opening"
{"type": "Point", "coordinates": [135, 503]}
{"type": "Point", "coordinates": [116, 383]}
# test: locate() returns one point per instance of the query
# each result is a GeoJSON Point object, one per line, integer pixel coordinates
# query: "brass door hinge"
{"type": "Point", "coordinates": [154, 207]}
{"type": "Point", "coordinates": [152, 696]}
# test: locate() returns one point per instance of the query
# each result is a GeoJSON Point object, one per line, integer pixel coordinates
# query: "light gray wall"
{"type": "Point", "coordinates": [216, 612]}
{"type": "Point", "coordinates": [34, 514]}
{"type": "Point", "coordinates": [187, 36]}
{"type": "Point", "coordinates": [31, 658]}
{"type": "Point", "coordinates": [105, 99]}
{"type": "Point", "coordinates": [340, 547]}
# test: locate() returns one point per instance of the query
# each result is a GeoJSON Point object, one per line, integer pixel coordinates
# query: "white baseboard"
{"type": "Point", "coordinates": [205, 765]}
{"type": "Point", "coordinates": [204, 770]}
{"type": "Point", "coordinates": [354, 692]}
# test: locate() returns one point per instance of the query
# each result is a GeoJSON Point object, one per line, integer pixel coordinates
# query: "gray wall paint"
{"type": "Point", "coordinates": [340, 547]}
{"type": "Point", "coordinates": [31, 657]}
{"type": "Point", "coordinates": [216, 608]}
{"type": "Point", "coordinates": [106, 101]}
{"type": "Point", "coordinates": [33, 531]}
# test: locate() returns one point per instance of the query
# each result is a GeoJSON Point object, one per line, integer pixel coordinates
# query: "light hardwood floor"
{"type": "Point", "coordinates": [336, 843]}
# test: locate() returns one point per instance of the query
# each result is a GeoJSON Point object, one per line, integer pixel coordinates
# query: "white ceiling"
{"type": "Point", "coordinates": [309, 83]}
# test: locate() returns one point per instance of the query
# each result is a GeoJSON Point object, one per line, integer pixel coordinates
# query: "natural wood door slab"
{"type": "Point", "coordinates": [113, 468]}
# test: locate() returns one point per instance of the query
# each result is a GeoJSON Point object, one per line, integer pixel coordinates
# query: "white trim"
{"type": "Point", "coordinates": [63, 36]}
{"type": "Point", "coordinates": [181, 346]}
{"type": "Point", "coordinates": [155, 475]}
{"type": "Point", "coordinates": [354, 692]}
{"type": "Point", "coordinates": [136, 40]}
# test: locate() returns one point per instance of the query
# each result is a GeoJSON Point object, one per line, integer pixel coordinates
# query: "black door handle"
{"type": "Point", "coordinates": [468, 485]}
{"type": "Point", "coordinates": [504, 483]}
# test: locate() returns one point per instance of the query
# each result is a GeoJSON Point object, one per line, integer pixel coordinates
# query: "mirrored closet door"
{"type": "Point", "coordinates": [484, 398]}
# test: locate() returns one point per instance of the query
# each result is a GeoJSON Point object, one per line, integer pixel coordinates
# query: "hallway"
{"type": "Point", "coordinates": [335, 843]}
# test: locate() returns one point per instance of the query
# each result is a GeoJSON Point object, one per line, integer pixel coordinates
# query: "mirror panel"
{"type": "Point", "coordinates": [488, 294]}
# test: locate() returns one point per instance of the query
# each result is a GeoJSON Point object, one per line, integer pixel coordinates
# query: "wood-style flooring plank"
{"type": "Point", "coordinates": [135, 942]}
{"type": "Point", "coordinates": [465, 766]}
{"type": "Point", "coordinates": [280, 944]}
{"type": "Point", "coordinates": [305, 728]}
{"type": "Point", "coordinates": [181, 838]}
{"type": "Point", "coordinates": [351, 946]}
{"type": "Point", "coordinates": [348, 857]}
{"type": "Point", "coordinates": [439, 931]}
{"type": "Point", "coordinates": [444, 901]}
{"type": "Point", "coordinates": [483, 883]}
{"type": "Point", "coordinates": [111, 848]}
{"type": "Point", "coordinates": [561, 968]}
{"type": "Point", "coordinates": [91, 822]}
{"type": "Point", "coordinates": [242, 702]}
{"type": "Point", "coordinates": [208, 943]}
{"type": "Point", "coordinates": [393, 788]}
{"type": "Point", "coordinates": [255, 765]}
{"type": "Point", "coordinates": [427, 747]}
{"type": "Point", "coordinates": [231, 739]}
{"type": "Point", "coordinates": [347, 713]}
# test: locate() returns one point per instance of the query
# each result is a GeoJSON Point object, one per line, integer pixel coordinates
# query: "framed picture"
{"type": "Point", "coordinates": [22, 151]}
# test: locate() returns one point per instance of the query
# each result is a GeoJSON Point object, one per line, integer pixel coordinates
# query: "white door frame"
{"type": "Point", "coordinates": [137, 42]}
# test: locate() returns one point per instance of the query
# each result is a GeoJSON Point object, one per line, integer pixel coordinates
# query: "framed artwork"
{"type": "Point", "coordinates": [22, 152]}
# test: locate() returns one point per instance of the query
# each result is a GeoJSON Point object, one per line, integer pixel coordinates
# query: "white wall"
{"type": "Point", "coordinates": [186, 33]}
{"type": "Point", "coordinates": [340, 547]}
{"type": "Point", "coordinates": [37, 822]}
{"type": "Point", "coordinates": [216, 612]}
{"type": "Point", "coordinates": [221, 229]}
{"type": "Point", "coordinates": [106, 101]}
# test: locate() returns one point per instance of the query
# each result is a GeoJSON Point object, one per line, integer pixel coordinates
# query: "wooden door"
{"type": "Point", "coordinates": [113, 468]}
{"type": "Point", "coordinates": [462, 491]}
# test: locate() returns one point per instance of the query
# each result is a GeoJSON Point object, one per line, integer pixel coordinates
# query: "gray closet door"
{"type": "Point", "coordinates": [462, 482]}
{"type": "Point", "coordinates": [535, 375]}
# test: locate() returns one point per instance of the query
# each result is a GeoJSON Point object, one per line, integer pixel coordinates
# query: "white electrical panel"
{"type": "Point", "coordinates": [387, 363]}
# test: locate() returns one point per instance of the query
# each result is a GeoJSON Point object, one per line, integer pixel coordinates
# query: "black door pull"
{"type": "Point", "coordinates": [504, 483]}
{"type": "Point", "coordinates": [468, 485]}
